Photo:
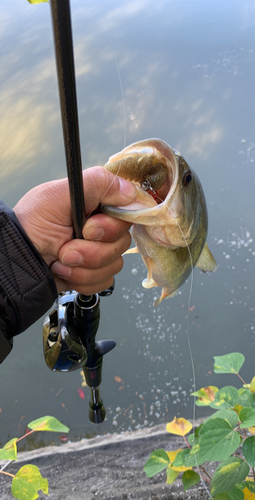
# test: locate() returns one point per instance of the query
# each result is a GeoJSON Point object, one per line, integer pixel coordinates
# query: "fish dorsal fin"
{"type": "Point", "coordinates": [206, 261]}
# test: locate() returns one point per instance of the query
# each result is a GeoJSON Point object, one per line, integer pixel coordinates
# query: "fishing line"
{"type": "Point", "coordinates": [190, 350]}
{"type": "Point", "coordinates": [123, 108]}
{"type": "Point", "coordinates": [123, 101]}
{"type": "Point", "coordinates": [120, 82]}
{"type": "Point", "coordinates": [188, 329]}
{"type": "Point", "coordinates": [189, 342]}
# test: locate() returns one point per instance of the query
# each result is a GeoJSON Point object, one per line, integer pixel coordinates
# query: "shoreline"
{"type": "Point", "coordinates": [108, 467]}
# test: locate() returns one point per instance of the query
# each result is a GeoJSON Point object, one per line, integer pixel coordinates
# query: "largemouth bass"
{"type": "Point", "coordinates": [169, 214]}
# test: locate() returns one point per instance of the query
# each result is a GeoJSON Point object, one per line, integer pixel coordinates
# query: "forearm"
{"type": "Point", "coordinates": [27, 286]}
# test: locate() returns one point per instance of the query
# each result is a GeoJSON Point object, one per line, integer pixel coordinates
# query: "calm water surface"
{"type": "Point", "coordinates": [187, 73]}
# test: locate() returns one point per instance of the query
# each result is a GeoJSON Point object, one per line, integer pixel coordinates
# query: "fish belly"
{"type": "Point", "coordinates": [167, 268]}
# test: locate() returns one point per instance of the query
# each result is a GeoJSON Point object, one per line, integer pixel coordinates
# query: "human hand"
{"type": "Point", "coordinates": [88, 265]}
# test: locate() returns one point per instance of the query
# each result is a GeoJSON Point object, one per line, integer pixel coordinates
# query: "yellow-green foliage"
{"type": "Point", "coordinates": [217, 439]}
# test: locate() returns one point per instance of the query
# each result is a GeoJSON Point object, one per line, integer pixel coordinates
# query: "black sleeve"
{"type": "Point", "coordinates": [27, 286]}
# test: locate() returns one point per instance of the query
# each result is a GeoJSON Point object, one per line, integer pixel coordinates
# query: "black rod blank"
{"type": "Point", "coordinates": [62, 33]}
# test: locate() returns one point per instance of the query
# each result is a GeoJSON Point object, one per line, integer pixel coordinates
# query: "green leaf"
{"type": "Point", "coordinates": [189, 478]}
{"type": "Point", "coordinates": [48, 424]}
{"type": "Point", "coordinates": [171, 475]}
{"type": "Point", "coordinates": [229, 363]}
{"type": "Point", "coordinates": [192, 438]}
{"type": "Point", "coordinates": [247, 417]}
{"type": "Point", "coordinates": [6, 455]}
{"type": "Point", "coordinates": [38, 1]}
{"type": "Point", "coordinates": [9, 451]}
{"type": "Point", "coordinates": [218, 440]}
{"type": "Point", "coordinates": [179, 460]}
{"type": "Point", "coordinates": [226, 397]}
{"type": "Point", "coordinates": [158, 461]}
{"type": "Point", "coordinates": [249, 450]}
{"type": "Point", "coordinates": [229, 473]}
{"type": "Point", "coordinates": [236, 494]}
{"type": "Point", "coordinates": [22, 490]}
{"type": "Point", "coordinates": [246, 398]}
{"type": "Point", "coordinates": [222, 496]}
{"type": "Point", "coordinates": [226, 414]}
{"type": "Point", "coordinates": [11, 447]}
{"type": "Point", "coordinates": [188, 457]}
{"type": "Point", "coordinates": [27, 482]}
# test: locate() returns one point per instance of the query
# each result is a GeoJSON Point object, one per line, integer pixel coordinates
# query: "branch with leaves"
{"type": "Point", "coordinates": [216, 439]}
{"type": "Point", "coordinates": [28, 480]}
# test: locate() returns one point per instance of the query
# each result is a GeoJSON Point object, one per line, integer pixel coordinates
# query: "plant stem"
{"type": "Point", "coordinates": [25, 435]}
{"type": "Point", "coordinates": [205, 479]}
{"type": "Point", "coordinates": [186, 441]}
{"type": "Point", "coordinates": [253, 472]}
{"type": "Point", "coordinates": [242, 380]}
{"type": "Point", "coordinates": [10, 461]}
{"type": "Point", "coordinates": [243, 437]}
{"type": "Point", "coordinates": [7, 473]}
{"type": "Point", "coordinates": [204, 471]}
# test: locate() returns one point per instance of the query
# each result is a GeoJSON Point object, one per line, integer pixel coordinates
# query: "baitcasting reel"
{"type": "Point", "coordinates": [69, 342]}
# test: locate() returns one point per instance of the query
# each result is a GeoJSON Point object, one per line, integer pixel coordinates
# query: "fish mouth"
{"type": "Point", "coordinates": [152, 165]}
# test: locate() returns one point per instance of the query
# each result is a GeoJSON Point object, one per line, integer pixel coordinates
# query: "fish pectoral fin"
{"type": "Point", "coordinates": [206, 261]}
{"type": "Point", "coordinates": [149, 283]}
{"type": "Point", "coordinates": [132, 250]}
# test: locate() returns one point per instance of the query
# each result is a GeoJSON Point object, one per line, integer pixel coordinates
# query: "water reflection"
{"type": "Point", "coordinates": [187, 74]}
{"type": "Point", "coordinates": [21, 130]}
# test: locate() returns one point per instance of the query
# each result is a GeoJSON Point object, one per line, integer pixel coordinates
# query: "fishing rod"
{"type": "Point", "coordinates": [70, 329]}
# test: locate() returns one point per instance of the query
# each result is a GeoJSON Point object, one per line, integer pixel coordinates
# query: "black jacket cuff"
{"type": "Point", "coordinates": [27, 286]}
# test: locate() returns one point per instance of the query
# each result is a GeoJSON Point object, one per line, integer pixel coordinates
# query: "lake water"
{"type": "Point", "coordinates": [187, 74]}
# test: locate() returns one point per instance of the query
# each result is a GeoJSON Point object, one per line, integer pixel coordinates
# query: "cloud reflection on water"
{"type": "Point", "coordinates": [29, 102]}
{"type": "Point", "coordinates": [22, 132]}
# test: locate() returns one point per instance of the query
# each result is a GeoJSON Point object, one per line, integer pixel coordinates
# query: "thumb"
{"type": "Point", "coordinates": [101, 186]}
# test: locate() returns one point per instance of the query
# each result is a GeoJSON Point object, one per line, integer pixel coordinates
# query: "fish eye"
{"type": "Point", "coordinates": [187, 178]}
